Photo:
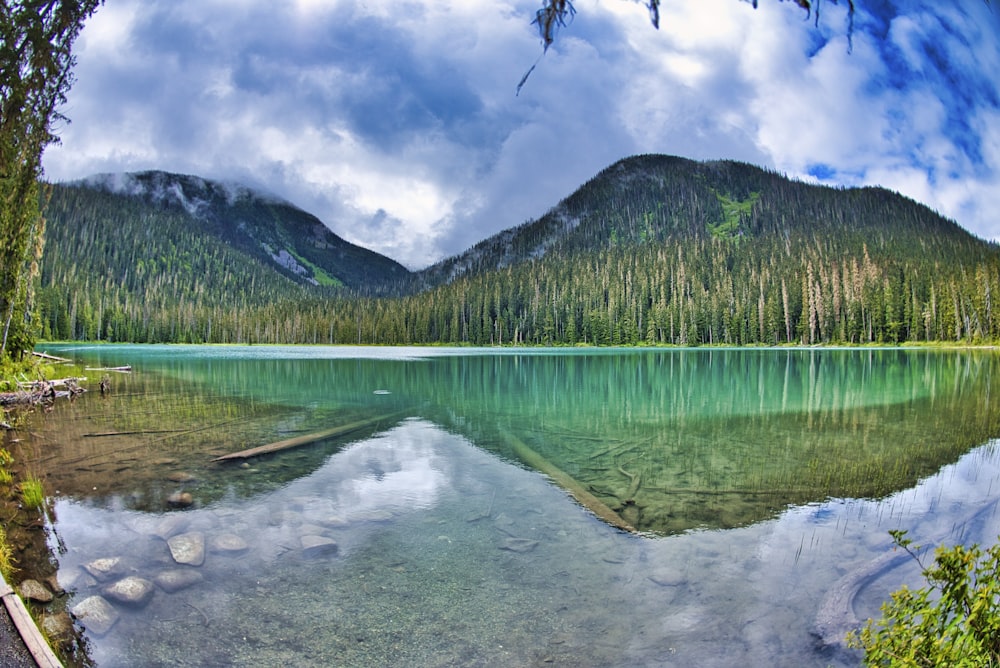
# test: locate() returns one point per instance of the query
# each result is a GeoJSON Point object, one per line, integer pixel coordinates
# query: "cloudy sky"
{"type": "Point", "coordinates": [396, 121]}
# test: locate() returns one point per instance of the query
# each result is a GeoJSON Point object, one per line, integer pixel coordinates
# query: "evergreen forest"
{"type": "Point", "coordinates": [653, 250]}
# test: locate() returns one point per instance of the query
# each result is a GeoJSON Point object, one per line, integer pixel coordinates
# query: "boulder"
{"type": "Point", "coordinates": [228, 543]}
{"type": "Point", "coordinates": [519, 544]}
{"type": "Point", "coordinates": [176, 579]}
{"type": "Point", "coordinates": [105, 568]}
{"type": "Point", "coordinates": [188, 548]}
{"type": "Point", "coordinates": [58, 627]}
{"type": "Point", "coordinates": [131, 591]}
{"type": "Point", "coordinates": [180, 500]}
{"type": "Point", "coordinates": [96, 614]}
{"type": "Point", "coordinates": [317, 546]}
{"type": "Point", "coordinates": [33, 590]}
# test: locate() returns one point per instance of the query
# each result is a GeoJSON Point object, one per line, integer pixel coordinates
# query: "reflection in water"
{"type": "Point", "coordinates": [670, 440]}
{"type": "Point", "coordinates": [447, 555]}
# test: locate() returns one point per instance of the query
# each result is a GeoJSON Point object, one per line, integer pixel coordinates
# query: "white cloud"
{"type": "Point", "coordinates": [397, 123]}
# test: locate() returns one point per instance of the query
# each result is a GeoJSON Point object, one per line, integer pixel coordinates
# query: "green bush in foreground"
{"type": "Point", "coordinates": [953, 621]}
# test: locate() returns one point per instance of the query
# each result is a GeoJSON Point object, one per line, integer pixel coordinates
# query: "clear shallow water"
{"type": "Point", "coordinates": [451, 552]}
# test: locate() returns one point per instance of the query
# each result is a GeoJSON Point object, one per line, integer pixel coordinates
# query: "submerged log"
{"type": "Point", "coordinates": [836, 616]}
{"type": "Point", "coordinates": [120, 369]}
{"type": "Point", "coordinates": [308, 438]}
{"type": "Point", "coordinates": [527, 455]}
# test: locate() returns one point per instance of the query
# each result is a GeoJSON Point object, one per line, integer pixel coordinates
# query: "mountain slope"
{"type": "Point", "coordinates": [652, 199]}
{"type": "Point", "coordinates": [293, 242]}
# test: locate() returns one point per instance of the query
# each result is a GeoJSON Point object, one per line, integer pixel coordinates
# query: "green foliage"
{"type": "Point", "coordinates": [953, 621]}
{"type": "Point", "coordinates": [7, 559]}
{"type": "Point", "coordinates": [734, 212]}
{"type": "Point", "coordinates": [35, 65]}
{"type": "Point", "coordinates": [32, 492]}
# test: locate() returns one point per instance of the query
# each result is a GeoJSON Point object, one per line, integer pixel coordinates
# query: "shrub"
{"type": "Point", "coordinates": [953, 621]}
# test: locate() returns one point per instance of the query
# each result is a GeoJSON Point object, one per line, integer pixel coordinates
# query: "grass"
{"type": "Point", "coordinates": [32, 492]}
{"type": "Point", "coordinates": [6, 556]}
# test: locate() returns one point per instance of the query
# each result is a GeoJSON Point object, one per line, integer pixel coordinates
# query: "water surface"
{"type": "Point", "coordinates": [754, 480]}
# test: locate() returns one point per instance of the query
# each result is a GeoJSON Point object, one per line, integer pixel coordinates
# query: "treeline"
{"type": "Point", "coordinates": [653, 250]}
{"type": "Point", "coordinates": [707, 291]}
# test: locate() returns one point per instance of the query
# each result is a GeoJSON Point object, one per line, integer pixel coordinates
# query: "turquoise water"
{"type": "Point", "coordinates": [751, 480]}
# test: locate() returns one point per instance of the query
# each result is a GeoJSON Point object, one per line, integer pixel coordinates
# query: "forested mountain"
{"type": "Point", "coordinates": [268, 229]}
{"type": "Point", "coordinates": [127, 246]}
{"type": "Point", "coordinates": [653, 250]}
{"type": "Point", "coordinates": [657, 199]}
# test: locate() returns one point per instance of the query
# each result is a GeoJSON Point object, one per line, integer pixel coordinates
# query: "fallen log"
{"type": "Point", "coordinates": [46, 356]}
{"type": "Point", "coordinates": [120, 369]}
{"type": "Point", "coordinates": [308, 438]}
{"type": "Point", "coordinates": [527, 455]}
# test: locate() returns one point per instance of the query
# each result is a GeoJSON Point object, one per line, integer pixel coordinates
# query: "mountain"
{"type": "Point", "coordinates": [653, 250]}
{"type": "Point", "coordinates": [270, 230]}
{"type": "Point", "coordinates": [655, 199]}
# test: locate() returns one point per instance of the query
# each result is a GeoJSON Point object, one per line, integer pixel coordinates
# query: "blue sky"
{"type": "Point", "coordinates": [397, 123]}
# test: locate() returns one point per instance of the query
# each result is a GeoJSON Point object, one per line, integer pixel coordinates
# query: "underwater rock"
{"type": "Point", "coordinates": [284, 518]}
{"type": "Point", "coordinates": [317, 546]}
{"type": "Point", "coordinates": [376, 515]}
{"type": "Point", "coordinates": [58, 627]}
{"type": "Point", "coordinates": [180, 500]}
{"type": "Point", "coordinates": [333, 521]}
{"type": "Point", "coordinates": [132, 591]}
{"type": "Point", "coordinates": [228, 543]}
{"type": "Point", "coordinates": [53, 583]}
{"type": "Point", "coordinates": [172, 525]}
{"type": "Point", "coordinates": [177, 578]}
{"type": "Point", "coordinates": [104, 569]}
{"type": "Point", "coordinates": [180, 477]}
{"type": "Point", "coordinates": [667, 578]}
{"type": "Point", "coordinates": [188, 548]}
{"type": "Point", "coordinates": [34, 590]}
{"type": "Point", "coordinates": [519, 544]}
{"type": "Point", "coordinates": [96, 614]}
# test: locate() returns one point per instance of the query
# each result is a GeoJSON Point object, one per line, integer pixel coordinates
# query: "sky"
{"type": "Point", "coordinates": [399, 125]}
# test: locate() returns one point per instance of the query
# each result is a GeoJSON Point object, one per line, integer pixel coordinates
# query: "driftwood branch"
{"type": "Point", "coordinates": [308, 438]}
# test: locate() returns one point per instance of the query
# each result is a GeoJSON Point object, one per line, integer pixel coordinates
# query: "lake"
{"type": "Point", "coordinates": [505, 507]}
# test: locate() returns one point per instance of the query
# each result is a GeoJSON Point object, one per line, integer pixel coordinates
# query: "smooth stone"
{"type": "Point", "coordinates": [180, 500]}
{"type": "Point", "coordinates": [519, 544]}
{"type": "Point", "coordinates": [96, 614]}
{"type": "Point", "coordinates": [317, 546]}
{"type": "Point", "coordinates": [53, 583]}
{"type": "Point", "coordinates": [58, 627]}
{"type": "Point", "coordinates": [285, 518]}
{"type": "Point", "coordinates": [228, 543]}
{"type": "Point", "coordinates": [34, 590]}
{"type": "Point", "coordinates": [133, 591]}
{"type": "Point", "coordinates": [181, 476]}
{"type": "Point", "coordinates": [667, 578]}
{"type": "Point", "coordinates": [373, 516]}
{"type": "Point", "coordinates": [171, 526]}
{"type": "Point", "coordinates": [75, 580]}
{"type": "Point", "coordinates": [333, 521]}
{"type": "Point", "coordinates": [311, 529]}
{"type": "Point", "coordinates": [104, 569]}
{"type": "Point", "coordinates": [177, 579]}
{"type": "Point", "coordinates": [188, 548]}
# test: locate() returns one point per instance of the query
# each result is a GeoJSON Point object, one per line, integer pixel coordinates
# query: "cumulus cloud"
{"type": "Point", "coordinates": [398, 125]}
